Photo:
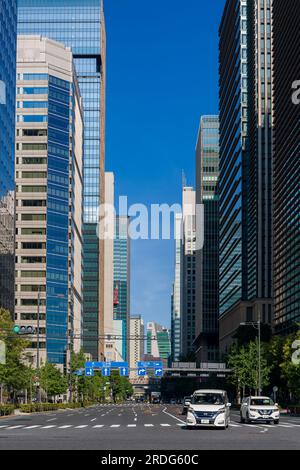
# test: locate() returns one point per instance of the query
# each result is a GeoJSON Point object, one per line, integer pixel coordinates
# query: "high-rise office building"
{"type": "Point", "coordinates": [122, 280]}
{"type": "Point", "coordinates": [8, 44]}
{"type": "Point", "coordinates": [188, 271]}
{"type": "Point", "coordinates": [245, 184]}
{"type": "Point", "coordinates": [176, 293]}
{"type": "Point", "coordinates": [137, 349]}
{"type": "Point", "coordinates": [286, 46]}
{"type": "Point", "coordinates": [158, 342]}
{"type": "Point", "coordinates": [49, 151]}
{"type": "Point", "coordinates": [207, 258]}
{"type": "Point", "coordinates": [80, 25]}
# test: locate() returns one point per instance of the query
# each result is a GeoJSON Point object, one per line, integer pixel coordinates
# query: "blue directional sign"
{"type": "Point", "coordinates": [150, 365]}
{"type": "Point", "coordinates": [142, 372]}
{"type": "Point", "coordinates": [78, 372]}
{"type": "Point", "coordinates": [124, 371]}
{"type": "Point", "coordinates": [117, 365]}
{"type": "Point", "coordinates": [105, 371]}
{"type": "Point", "coordinates": [94, 365]}
{"type": "Point", "coordinates": [158, 372]}
{"type": "Point", "coordinates": [89, 372]}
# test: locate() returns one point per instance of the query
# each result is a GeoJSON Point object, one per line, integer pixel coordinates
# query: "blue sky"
{"type": "Point", "coordinates": [162, 75]}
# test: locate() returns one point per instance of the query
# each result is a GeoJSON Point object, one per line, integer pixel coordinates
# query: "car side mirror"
{"type": "Point", "coordinates": [276, 404]}
{"type": "Point", "coordinates": [229, 405]}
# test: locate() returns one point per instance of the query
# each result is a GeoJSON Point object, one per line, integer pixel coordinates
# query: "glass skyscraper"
{"type": "Point", "coordinates": [286, 37]}
{"type": "Point", "coordinates": [122, 280]}
{"type": "Point", "coordinates": [80, 25]}
{"type": "Point", "coordinates": [49, 150]}
{"type": "Point", "coordinates": [8, 39]}
{"type": "Point", "coordinates": [207, 259]}
{"type": "Point", "coordinates": [176, 294]}
{"type": "Point", "coordinates": [245, 185]}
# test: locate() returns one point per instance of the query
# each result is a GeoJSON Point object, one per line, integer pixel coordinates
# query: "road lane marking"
{"type": "Point", "coordinates": [4, 426]}
{"type": "Point", "coordinates": [16, 427]}
{"type": "Point", "coordinates": [235, 425]}
{"type": "Point", "coordinates": [131, 425]}
{"type": "Point", "coordinates": [65, 426]}
{"type": "Point", "coordinates": [52, 419]}
{"type": "Point", "coordinates": [48, 427]}
{"type": "Point", "coordinates": [149, 425]}
{"type": "Point", "coordinates": [81, 426]}
{"type": "Point", "coordinates": [115, 425]}
{"type": "Point", "coordinates": [33, 427]}
{"type": "Point", "coordinates": [166, 425]}
{"type": "Point", "coordinates": [98, 426]}
{"type": "Point", "coordinates": [93, 420]}
{"type": "Point", "coordinates": [172, 416]}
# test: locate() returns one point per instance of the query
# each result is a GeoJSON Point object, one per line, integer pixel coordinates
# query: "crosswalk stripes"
{"type": "Point", "coordinates": [22, 427]}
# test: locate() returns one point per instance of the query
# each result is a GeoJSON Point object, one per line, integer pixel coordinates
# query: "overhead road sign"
{"type": "Point", "coordinates": [124, 371]}
{"type": "Point", "coordinates": [105, 371]}
{"type": "Point", "coordinates": [142, 372]}
{"type": "Point", "coordinates": [150, 365]}
{"type": "Point", "coordinates": [89, 372]}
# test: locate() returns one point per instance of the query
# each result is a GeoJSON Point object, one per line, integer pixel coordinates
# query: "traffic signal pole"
{"type": "Point", "coordinates": [38, 347]}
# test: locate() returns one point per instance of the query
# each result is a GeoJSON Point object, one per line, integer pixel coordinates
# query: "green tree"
{"type": "Point", "coordinates": [291, 368]}
{"type": "Point", "coordinates": [52, 381]}
{"type": "Point", "coordinates": [13, 374]}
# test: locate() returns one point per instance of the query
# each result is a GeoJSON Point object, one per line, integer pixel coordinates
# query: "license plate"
{"type": "Point", "coordinates": [204, 421]}
{"type": "Point", "coordinates": [266, 416]}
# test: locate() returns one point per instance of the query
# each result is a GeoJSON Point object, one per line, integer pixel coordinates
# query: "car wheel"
{"type": "Point", "coordinates": [276, 421]}
{"type": "Point", "coordinates": [242, 419]}
{"type": "Point", "coordinates": [248, 419]}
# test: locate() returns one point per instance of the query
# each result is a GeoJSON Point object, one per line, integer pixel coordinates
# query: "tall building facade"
{"type": "Point", "coordinates": [109, 345]}
{"type": "Point", "coordinates": [245, 185]}
{"type": "Point", "coordinates": [137, 332]}
{"type": "Point", "coordinates": [286, 45]}
{"type": "Point", "coordinates": [176, 293]}
{"type": "Point", "coordinates": [207, 258]}
{"type": "Point", "coordinates": [188, 271]}
{"type": "Point", "coordinates": [49, 160]}
{"type": "Point", "coordinates": [80, 25]}
{"type": "Point", "coordinates": [122, 280]}
{"type": "Point", "coordinates": [8, 44]}
{"type": "Point", "coordinates": [158, 342]}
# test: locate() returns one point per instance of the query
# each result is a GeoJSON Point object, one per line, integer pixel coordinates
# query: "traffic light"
{"type": "Point", "coordinates": [24, 330]}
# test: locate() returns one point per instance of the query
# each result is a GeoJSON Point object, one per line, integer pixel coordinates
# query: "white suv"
{"type": "Point", "coordinates": [255, 409]}
{"type": "Point", "coordinates": [209, 408]}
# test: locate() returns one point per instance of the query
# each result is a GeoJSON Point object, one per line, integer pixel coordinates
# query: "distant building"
{"type": "Point", "coordinates": [8, 41]}
{"type": "Point", "coordinates": [121, 295]}
{"type": "Point", "coordinates": [188, 271]}
{"type": "Point", "coordinates": [49, 161]}
{"type": "Point", "coordinates": [176, 294]}
{"type": "Point", "coordinates": [158, 341]}
{"type": "Point", "coordinates": [207, 259]}
{"type": "Point", "coordinates": [137, 333]}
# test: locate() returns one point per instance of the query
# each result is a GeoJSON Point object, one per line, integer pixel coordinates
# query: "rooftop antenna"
{"type": "Point", "coordinates": [183, 180]}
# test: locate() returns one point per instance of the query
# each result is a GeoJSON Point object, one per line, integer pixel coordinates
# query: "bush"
{"type": "Point", "coordinates": [41, 407]}
{"type": "Point", "coordinates": [6, 410]}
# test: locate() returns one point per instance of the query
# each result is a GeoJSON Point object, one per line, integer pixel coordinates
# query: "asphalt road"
{"type": "Point", "coordinates": [140, 426]}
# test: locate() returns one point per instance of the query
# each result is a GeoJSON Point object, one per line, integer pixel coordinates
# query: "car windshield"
{"type": "Point", "coordinates": [262, 402]}
{"type": "Point", "coordinates": [208, 399]}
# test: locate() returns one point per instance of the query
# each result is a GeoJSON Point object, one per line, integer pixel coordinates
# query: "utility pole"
{"type": "Point", "coordinates": [38, 346]}
{"type": "Point", "coordinates": [259, 354]}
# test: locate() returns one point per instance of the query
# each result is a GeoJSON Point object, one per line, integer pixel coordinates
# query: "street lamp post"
{"type": "Point", "coordinates": [258, 327]}
{"type": "Point", "coordinates": [38, 346]}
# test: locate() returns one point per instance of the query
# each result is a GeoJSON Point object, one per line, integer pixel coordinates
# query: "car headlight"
{"type": "Point", "coordinates": [220, 412]}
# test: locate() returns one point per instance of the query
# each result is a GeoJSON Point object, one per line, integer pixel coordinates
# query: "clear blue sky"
{"type": "Point", "coordinates": [162, 75]}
